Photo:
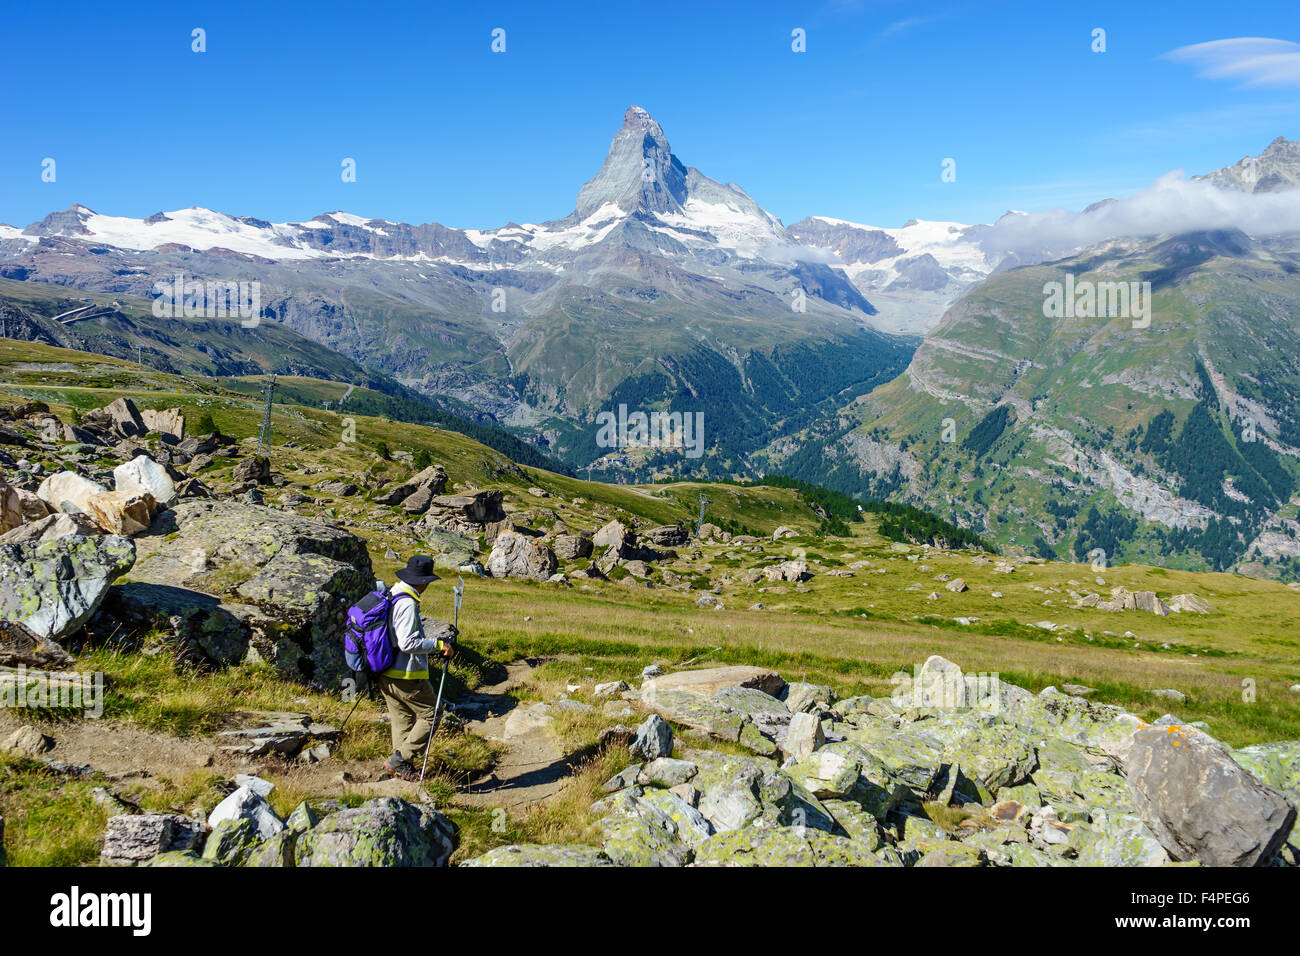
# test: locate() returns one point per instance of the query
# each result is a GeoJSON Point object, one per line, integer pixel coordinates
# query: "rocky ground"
{"type": "Point", "coordinates": [128, 544]}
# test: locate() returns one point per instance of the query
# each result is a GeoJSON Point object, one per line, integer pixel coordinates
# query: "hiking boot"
{"type": "Point", "coordinates": [401, 768]}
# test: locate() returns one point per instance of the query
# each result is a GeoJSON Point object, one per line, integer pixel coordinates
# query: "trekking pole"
{"type": "Point", "coordinates": [457, 592]}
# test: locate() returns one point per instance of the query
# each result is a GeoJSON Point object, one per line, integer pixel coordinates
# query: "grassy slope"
{"type": "Point", "coordinates": [853, 633]}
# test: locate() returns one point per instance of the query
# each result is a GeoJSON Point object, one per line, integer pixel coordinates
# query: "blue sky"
{"type": "Point", "coordinates": [445, 130]}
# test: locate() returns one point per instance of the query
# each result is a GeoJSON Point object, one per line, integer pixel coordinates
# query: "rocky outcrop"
{"type": "Point", "coordinates": [235, 581]}
{"type": "Point", "coordinates": [515, 555]}
{"type": "Point", "coordinates": [53, 587]}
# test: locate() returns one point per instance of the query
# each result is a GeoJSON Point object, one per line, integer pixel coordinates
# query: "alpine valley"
{"type": "Point", "coordinates": [916, 364]}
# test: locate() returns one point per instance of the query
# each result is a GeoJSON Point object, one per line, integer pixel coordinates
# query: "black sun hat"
{"type": "Point", "coordinates": [418, 571]}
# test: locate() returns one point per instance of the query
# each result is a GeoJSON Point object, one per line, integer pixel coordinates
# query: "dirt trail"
{"type": "Point", "coordinates": [533, 768]}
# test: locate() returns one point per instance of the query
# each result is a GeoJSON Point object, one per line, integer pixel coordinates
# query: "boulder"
{"type": "Point", "coordinates": [654, 739]}
{"type": "Point", "coordinates": [246, 804]}
{"type": "Point", "coordinates": [50, 527]}
{"type": "Point", "coordinates": [164, 421]}
{"type": "Point", "coordinates": [572, 547]}
{"type": "Point", "coordinates": [1200, 803]}
{"type": "Point", "coordinates": [784, 532]}
{"type": "Point", "coordinates": [1189, 604]}
{"type": "Point", "coordinates": [26, 742]}
{"type": "Point", "coordinates": [68, 491]}
{"type": "Point", "coordinates": [11, 509]}
{"type": "Point", "coordinates": [252, 583]}
{"type": "Point", "coordinates": [386, 831]}
{"type": "Point", "coordinates": [143, 474]}
{"type": "Point", "coordinates": [782, 847]}
{"type": "Point", "coordinates": [53, 587]}
{"type": "Point", "coordinates": [479, 507]}
{"type": "Point", "coordinates": [123, 418]}
{"type": "Point", "coordinates": [666, 536]}
{"type": "Point", "coordinates": [956, 586]}
{"type": "Point", "coordinates": [256, 469]}
{"type": "Point", "coordinates": [517, 556]}
{"type": "Point", "coordinates": [803, 736]}
{"type": "Point", "coordinates": [19, 645]}
{"type": "Point", "coordinates": [132, 839]}
{"type": "Point", "coordinates": [231, 841]}
{"type": "Point", "coordinates": [122, 512]}
{"type": "Point", "coordinates": [792, 571]}
{"type": "Point", "coordinates": [617, 535]}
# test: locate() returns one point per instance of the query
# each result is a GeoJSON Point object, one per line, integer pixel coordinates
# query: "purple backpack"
{"type": "Point", "coordinates": [367, 644]}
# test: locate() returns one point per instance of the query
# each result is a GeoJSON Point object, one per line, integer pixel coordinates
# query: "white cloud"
{"type": "Point", "coordinates": [1172, 204]}
{"type": "Point", "coordinates": [1253, 61]}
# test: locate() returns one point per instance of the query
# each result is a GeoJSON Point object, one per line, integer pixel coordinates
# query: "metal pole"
{"type": "Point", "coordinates": [457, 592]}
{"type": "Point", "coordinates": [266, 417]}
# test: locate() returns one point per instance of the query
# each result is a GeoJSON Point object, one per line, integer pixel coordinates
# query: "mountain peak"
{"type": "Point", "coordinates": [640, 173]}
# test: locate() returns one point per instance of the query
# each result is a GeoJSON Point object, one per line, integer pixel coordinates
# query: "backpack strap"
{"type": "Point", "coordinates": [392, 601]}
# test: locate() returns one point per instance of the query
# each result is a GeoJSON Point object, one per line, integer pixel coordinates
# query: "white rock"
{"type": "Point", "coordinates": [69, 491]}
{"type": "Point", "coordinates": [244, 803]}
{"type": "Point", "coordinates": [143, 474]}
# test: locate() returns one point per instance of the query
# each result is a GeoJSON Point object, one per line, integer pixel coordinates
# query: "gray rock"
{"type": "Point", "coordinates": [231, 841]}
{"type": "Point", "coordinates": [131, 839]}
{"type": "Point", "coordinates": [803, 736]}
{"type": "Point", "coordinates": [246, 582]}
{"type": "Point", "coordinates": [26, 742]}
{"type": "Point", "coordinates": [666, 772]}
{"type": "Point", "coordinates": [1200, 803]}
{"type": "Point", "coordinates": [515, 555]}
{"type": "Point", "coordinates": [386, 831]}
{"type": "Point", "coordinates": [654, 739]}
{"type": "Point", "coordinates": [53, 587]}
{"type": "Point", "coordinates": [246, 804]}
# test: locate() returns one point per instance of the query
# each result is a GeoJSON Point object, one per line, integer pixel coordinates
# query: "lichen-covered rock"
{"type": "Point", "coordinates": [691, 826]}
{"type": "Point", "coordinates": [541, 854]}
{"type": "Point", "coordinates": [1278, 765]}
{"type": "Point", "coordinates": [666, 772]}
{"type": "Point", "coordinates": [1200, 803]}
{"type": "Point", "coordinates": [282, 584]}
{"type": "Point", "coordinates": [645, 838]}
{"type": "Point", "coordinates": [783, 846]}
{"type": "Point", "coordinates": [53, 587]}
{"type": "Point", "coordinates": [230, 841]}
{"type": "Point", "coordinates": [275, 852]}
{"type": "Point", "coordinates": [1130, 845]}
{"type": "Point", "coordinates": [802, 697]}
{"type": "Point", "coordinates": [386, 831]}
{"type": "Point", "coordinates": [302, 818]}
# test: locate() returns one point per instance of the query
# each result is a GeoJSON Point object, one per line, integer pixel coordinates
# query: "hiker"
{"type": "Point", "coordinates": [405, 685]}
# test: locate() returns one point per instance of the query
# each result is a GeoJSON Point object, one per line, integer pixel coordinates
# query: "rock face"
{"type": "Point", "coordinates": [1200, 803]}
{"type": "Point", "coordinates": [515, 555]}
{"type": "Point", "coordinates": [236, 581]}
{"type": "Point", "coordinates": [144, 475]}
{"type": "Point", "coordinates": [68, 491]}
{"type": "Point", "coordinates": [53, 587]}
{"type": "Point", "coordinates": [383, 832]}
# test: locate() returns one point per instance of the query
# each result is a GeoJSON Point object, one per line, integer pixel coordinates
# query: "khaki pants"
{"type": "Point", "coordinates": [411, 706]}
